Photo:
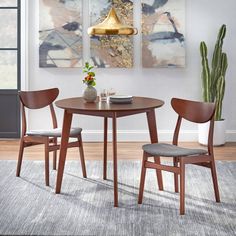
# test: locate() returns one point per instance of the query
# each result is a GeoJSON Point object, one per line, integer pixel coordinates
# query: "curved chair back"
{"type": "Point", "coordinates": [38, 99]}
{"type": "Point", "coordinates": [198, 112]}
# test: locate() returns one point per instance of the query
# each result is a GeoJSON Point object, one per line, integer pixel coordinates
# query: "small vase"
{"type": "Point", "coordinates": [90, 94]}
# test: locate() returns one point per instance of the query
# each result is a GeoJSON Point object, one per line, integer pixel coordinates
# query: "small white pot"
{"type": "Point", "coordinates": [219, 133]}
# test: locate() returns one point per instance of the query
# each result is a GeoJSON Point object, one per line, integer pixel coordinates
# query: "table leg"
{"type": "Point", "coordinates": [114, 135]}
{"type": "Point", "coordinates": [63, 149]}
{"type": "Point", "coordinates": [151, 119]}
{"type": "Point", "coordinates": [105, 150]}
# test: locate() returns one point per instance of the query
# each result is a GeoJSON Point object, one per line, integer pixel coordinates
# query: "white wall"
{"type": "Point", "coordinates": [203, 19]}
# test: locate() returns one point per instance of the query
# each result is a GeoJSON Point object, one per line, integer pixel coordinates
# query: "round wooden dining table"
{"type": "Point", "coordinates": [107, 110]}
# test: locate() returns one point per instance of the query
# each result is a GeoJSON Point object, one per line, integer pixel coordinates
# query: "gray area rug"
{"type": "Point", "coordinates": [85, 207]}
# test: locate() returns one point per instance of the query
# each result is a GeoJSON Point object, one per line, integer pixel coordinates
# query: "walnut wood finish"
{"type": "Point", "coordinates": [63, 149]}
{"type": "Point", "coordinates": [105, 149]}
{"type": "Point", "coordinates": [114, 141]}
{"type": "Point", "coordinates": [142, 180]}
{"type": "Point", "coordinates": [197, 112]}
{"type": "Point", "coordinates": [193, 111]}
{"type": "Point", "coordinates": [154, 139]}
{"type": "Point", "coordinates": [139, 104]}
{"type": "Point", "coordinates": [106, 110]}
{"type": "Point", "coordinates": [36, 100]}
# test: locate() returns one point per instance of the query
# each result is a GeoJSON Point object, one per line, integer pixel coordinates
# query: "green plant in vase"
{"type": "Point", "coordinates": [89, 80]}
{"type": "Point", "coordinates": [213, 80]}
{"type": "Point", "coordinates": [90, 93]}
{"type": "Point", "coordinates": [213, 83]}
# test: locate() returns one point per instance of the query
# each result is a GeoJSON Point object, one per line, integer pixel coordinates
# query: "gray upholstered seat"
{"type": "Point", "coordinates": [168, 150]}
{"type": "Point", "coordinates": [74, 132]}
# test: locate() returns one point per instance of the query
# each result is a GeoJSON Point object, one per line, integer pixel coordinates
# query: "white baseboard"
{"type": "Point", "coordinates": [231, 135]}
{"type": "Point", "coordinates": [143, 135]}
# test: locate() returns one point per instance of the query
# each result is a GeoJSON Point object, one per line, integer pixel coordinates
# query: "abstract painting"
{"type": "Point", "coordinates": [60, 33]}
{"type": "Point", "coordinates": [111, 51]}
{"type": "Point", "coordinates": [163, 33]}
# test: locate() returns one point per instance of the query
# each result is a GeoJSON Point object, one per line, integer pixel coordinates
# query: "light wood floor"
{"type": "Point", "coordinates": [94, 151]}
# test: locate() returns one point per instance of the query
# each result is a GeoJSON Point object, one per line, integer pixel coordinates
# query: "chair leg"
{"type": "Point", "coordinates": [157, 160]}
{"type": "Point", "coordinates": [142, 179]}
{"type": "Point", "coordinates": [55, 156]}
{"type": "Point", "coordinates": [54, 160]}
{"type": "Point", "coordinates": [182, 187]}
{"type": "Point", "coordinates": [20, 157]}
{"type": "Point", "coordinates": [175, 160]}
{"type": "Point", "coordinates": [47, 162]}
{"type": "Point", "coordinates": [215, 182]}
{"type": "Point", "coordinates": [81, 151]}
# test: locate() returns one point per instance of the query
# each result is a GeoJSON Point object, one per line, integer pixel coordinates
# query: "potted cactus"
{"type": "Point", "coordinates": [213, 82]}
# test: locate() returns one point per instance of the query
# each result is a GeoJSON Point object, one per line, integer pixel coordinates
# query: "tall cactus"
{"type": "Point", "coordinates": [213, 80]}
{"type": "Point", "coordinates": [220, 87]}
{"type": "Point", "coordinates": [206, 80]}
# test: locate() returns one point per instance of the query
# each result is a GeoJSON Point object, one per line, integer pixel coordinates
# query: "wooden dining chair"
{"type": "Point", "coordinates": [37, 100]}
{"type": "Point", "coordinates": [197, 112]}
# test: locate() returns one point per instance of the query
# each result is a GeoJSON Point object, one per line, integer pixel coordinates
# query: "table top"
{"type": "Point", "coordinates": [139, 103]}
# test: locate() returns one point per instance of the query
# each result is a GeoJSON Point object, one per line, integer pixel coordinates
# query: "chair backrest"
{"type": "Point", "coordinates": [197, 112]}
{"type": "Point", "coordinates": [36, 100]}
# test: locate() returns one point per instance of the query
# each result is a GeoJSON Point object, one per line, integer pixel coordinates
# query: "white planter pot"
{"type": "Point", "coordinates": [219, 133]}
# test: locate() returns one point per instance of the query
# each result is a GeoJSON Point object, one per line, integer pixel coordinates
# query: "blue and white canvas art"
{"type": "Point", "coordinates": [60, 33]}
{"type": "Point", "coordinates": [163, 33]}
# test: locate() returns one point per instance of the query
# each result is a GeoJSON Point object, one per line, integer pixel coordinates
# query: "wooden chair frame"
{"type": "Point", "coordinates": [196, 112]}
{"type": "Point", "coordinates": [38, 100]}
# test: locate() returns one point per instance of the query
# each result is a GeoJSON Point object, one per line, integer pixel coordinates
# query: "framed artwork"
{"type": "Point", "coordinates": [163, 33]}
{"type": "Point", "coordinates": [60, 33]}
{"type": "Point", "coordinates": [111, 51]}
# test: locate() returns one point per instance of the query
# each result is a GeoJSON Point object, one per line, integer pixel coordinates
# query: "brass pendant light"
{"type": "Point", "coordinates": [112, 26]}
